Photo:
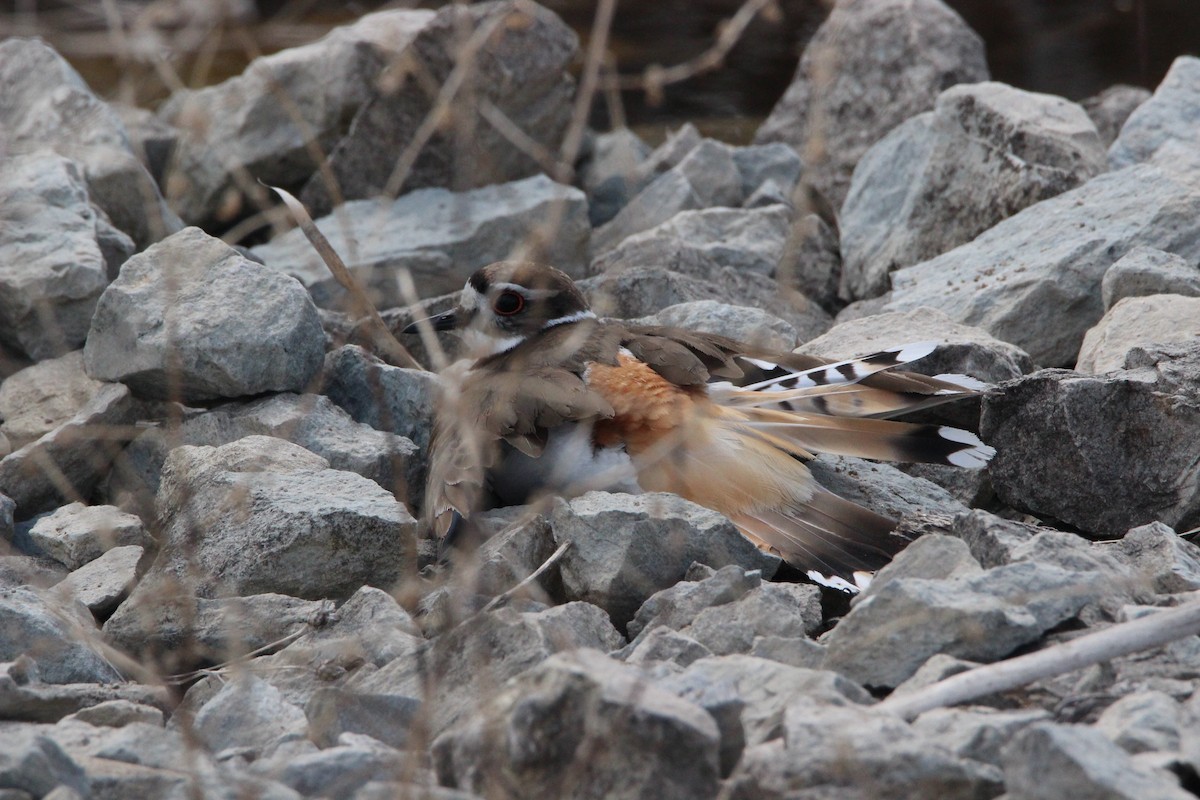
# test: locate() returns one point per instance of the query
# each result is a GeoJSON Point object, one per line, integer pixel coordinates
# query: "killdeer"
{"type": "Point", "coordinates": [551, 399]}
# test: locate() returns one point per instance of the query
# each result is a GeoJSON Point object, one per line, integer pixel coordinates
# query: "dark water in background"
{"type": "Point", "coordinates": [1073, 48]}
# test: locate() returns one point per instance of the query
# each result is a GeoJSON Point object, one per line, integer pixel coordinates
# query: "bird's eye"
{"type": "Point", "coordinates": [508, 303]}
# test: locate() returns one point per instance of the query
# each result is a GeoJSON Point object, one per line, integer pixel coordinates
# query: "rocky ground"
{"type": "Point", "coordinates": [208, 552]}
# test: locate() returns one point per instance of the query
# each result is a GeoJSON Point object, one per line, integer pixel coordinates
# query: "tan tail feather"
{"type": "Point", "coordinates": [828, 534]}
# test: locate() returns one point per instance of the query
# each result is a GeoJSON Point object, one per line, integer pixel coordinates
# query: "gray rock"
{"type": "Point", "coordinates": [309, 420]}
{"type": "Point", "coordinates": [1111, 108]}
{"type": "Point", "coordinates": [626, 547]}
{"type": "Point", "coordinates": [519, 543]}
{"type": "Point", "coordinates": [762, 688]}
{"type": "Point", "coordinates": [80, 451]}
{"type": "Point", "coordinates": [264, 515]}
{"type": "Point", "coordinates": [385, 397]}
{"type": "Point", "coordinates": [677, 606]}
{"type": "Point", "coordinates": [248, 712]}
{"type": "Point", "coordinates": [772, 609]}
{"type": "Point", "coordinates": [775, 162]}
{"type": "Point", "coordinates": [789, 650]}
{"type": "Point", "coordinates": [937, 668]}
{"type": "Point", "coordinates": [336, 771]}
{"type": "Point", "coordinates": [53, 269]}
{"type": "Point", "coordinates": [664, 644]}
{"type": "Point", "coordinates": [979, 734]}
{"type": "Point", "coordinates": [1047, 761]}
{"type": "Point", "coordinates": [933, 556]}
{"type": "Point", "coordinates": [869, 67]}
{"type": "Point", "coordinates": [993, 541]}
{"type": "Point", "coordinates": [1147, 270]}
{"type": "Point", "coordinates": [24, 697]}
{"type": "Point", "coordinates": [240, 128]}
{"type": "Point", "coordinates": [1144, 722]}
{"type": "Point", "coordinates": [1133, 465]}
{"type": "Point", "coordinates": [48, 105]}
{"type": "Point", "coordinates": [753, 326]}
{"type": "Point", "coordinates": [118, 714]}
{"type": "Point", "coordinates": [102, 584]}
{"type": "Point", "coordinates": [983, 153]}
{"type": "Point", "coordinates": [1138, 322]}
{"type": "Point", "coordinates": [520, 68]}
{"type": "Point", "coordinates": [388, 718]}
{"type": "Point", "coordinates": [191, 319]}
{"type": "Point", "coordinates": [850, 751]}
{"type": "Point", "coordinates": [1060, 249]}
{"type": "Point", "coordinates": [702, 243]}
{"type": "Point", "coordinates": [165, 623]}
{"type": "Point", "coordinates": [76, 534]}
{"type": "Point", "coordinates": [812, 261]}
{"type": "Point", "coordinates": [644, 291]}
{"type": "Point", "coordinates": [43, 396]}
{"type": "Point", "coordinates": [1170, 115]}
{"type": "Point", "coordinates": [881, 487]}
{"type": "Point", "coordinates": [1161, 558]}
{"type": "Point", "coordinates": [668, 195]}
{"type": "Point", "coordinates": [370, 625]}
{"type": "Point", "coordinates": [555, 717]}
{"type": "Point", "coordinates": [34, 572]}
{"type": "Point", "coordinates": [703, 178]}
{"type": "Point", "coordinates": [608, 170]}
{"type": "Point", "coordinates": [60, 638]}
{"type": "Point", "coordinates": [390, 790]}
{"type": "Point", "coordinates": [675, 147]}
{"type": "Point", "coordinates": [984, 617]}
{"type": "Point", "coordinates": [440, 237]}
{"type": "Point", "coordinates": [470, 663]}
{"type": "Point", "coordinates": [32, 762]}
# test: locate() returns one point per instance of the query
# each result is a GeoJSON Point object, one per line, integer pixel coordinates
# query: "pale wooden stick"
{"type": "Point", "coordinates": [1144, 633]}
{"type": "Point", "coordinates": [383, 343]}
{"type": "Point", "coordinates": [533, 576]}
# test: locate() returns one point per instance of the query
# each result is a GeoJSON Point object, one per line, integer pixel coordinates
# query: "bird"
{"type": "Point", "coordinates": [550, 399]}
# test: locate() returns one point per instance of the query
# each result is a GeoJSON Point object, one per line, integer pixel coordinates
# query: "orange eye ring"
{"type": "Point", "coordinates": [508, 303]}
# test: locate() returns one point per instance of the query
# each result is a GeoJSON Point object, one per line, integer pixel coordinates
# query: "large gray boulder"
{"type": "Point", "coordinates": [1157, 319]}
{"type": "Point", "coordinates": [519, 66]}
{"type": "Point", "coordinates": [72, 459]}
{"type": "Point", "coordinates": [1101, 453]}
{"type": "Point", "coordinates": [624, 548]}
{"type": "Point", "coordinates": [581, 725]}
{"type": "Point", "coordinates": [1034, 279]}
{"type": "Point", "coordinates": [61, 637]}
{"type": "Point", "coordinates": [46, 104]}
{"type": "Point", "coordinates": [52, 269]}
{"type": "Point", "coordinates": [192, 319]}
{"type": "Point", "coordinates": [440, 237]}
{"type": "Point", "coordinates": [938, 180]}
{"type": "Point", "coordinates": [311, 421]}
{"type": "Point", "coordinates": [1148, 270]}
{"type": "Point", "coordinates": [265, 123]}
{"type": "Point", "coordinates": [1172, 114]}
{"type": "Point", "coordinates": [869, 67]}
{"type": "Point", "coordinates": [265, 515]}
{"type": "Point", "coordinates": [43, 396]}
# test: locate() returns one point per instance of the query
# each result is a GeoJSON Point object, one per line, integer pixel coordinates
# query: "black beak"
{"type": "Point", "coordinates": [446, 321]}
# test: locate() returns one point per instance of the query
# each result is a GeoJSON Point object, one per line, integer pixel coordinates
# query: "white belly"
{"type": "Point", "coordinates": [568, 466]}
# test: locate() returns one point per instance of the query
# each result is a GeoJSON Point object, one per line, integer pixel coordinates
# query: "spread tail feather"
{"type": "Point", "coordinates": [827, 535]}
{"type": "Point", "coordinates": [885, 440]}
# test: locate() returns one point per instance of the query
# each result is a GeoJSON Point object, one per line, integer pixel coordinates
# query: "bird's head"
{"type": "Point", "coordinates": [505, 303]}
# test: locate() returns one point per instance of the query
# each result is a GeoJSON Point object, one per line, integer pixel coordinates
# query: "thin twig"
{"type": "Point", "coordinates": [533, 576]}
{"type": "Point", "coordinates": [184, 677]}
{"type": "Point", "coordinates": [383, 342]}
{"type": "Point", "coordinates": [1144, 633]}
{"type": "Point", "coordinates": [655, 77]}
